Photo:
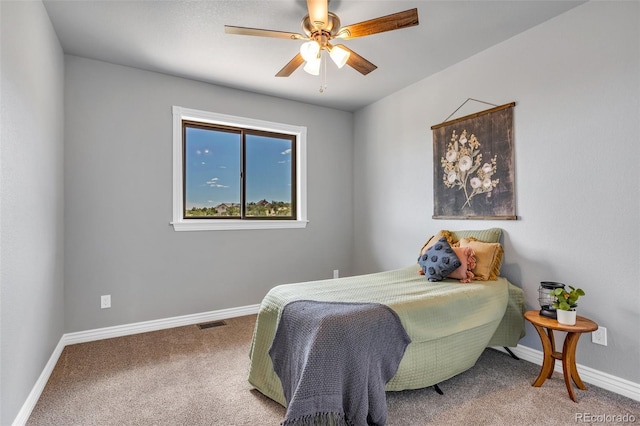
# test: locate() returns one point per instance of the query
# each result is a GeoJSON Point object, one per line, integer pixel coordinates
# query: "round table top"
{"type": "Point", "coordinates": [582, 325]}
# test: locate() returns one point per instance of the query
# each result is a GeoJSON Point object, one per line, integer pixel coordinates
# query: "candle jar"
{"type": "Point", "coordinates": [546, 298]}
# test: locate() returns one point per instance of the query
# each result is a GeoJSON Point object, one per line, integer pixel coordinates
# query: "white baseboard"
{"type": "Point", "coordinates": [161, 324]}
{"type": "Point", "coordinates": [587, 374]}
{"type": "Point", "coordinates": [36, 391]}
{"type": "Point", "coordinates": [117, 331]}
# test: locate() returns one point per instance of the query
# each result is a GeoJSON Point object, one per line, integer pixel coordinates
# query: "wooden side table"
{"type": "Point", "coordinates": [568, 355]}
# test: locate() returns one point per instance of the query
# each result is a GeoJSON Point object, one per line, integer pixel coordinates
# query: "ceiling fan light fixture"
{"type": "Point", "coordinates": [310, 51]}
{"type": "Point", "coordinates": [313, 66]}
{"type": "Point", "coordinates": [339, 56]}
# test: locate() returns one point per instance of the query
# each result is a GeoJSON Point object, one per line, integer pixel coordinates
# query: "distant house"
{"type": "Point", "coordinates": [222, 208]}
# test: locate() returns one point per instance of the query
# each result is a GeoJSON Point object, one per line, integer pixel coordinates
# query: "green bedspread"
{"type": "Point", "coordinates": [449, 323]}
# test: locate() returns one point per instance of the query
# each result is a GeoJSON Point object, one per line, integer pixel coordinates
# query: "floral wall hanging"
{"type": "Point", "coordinates": [473, 176]}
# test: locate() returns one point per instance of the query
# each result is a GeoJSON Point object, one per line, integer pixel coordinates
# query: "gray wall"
{"type": "Point", "coordinates": [118, 202]}
{"type": "Point", "coordinates": [576, 82]}
{"type": "Point", "coordinates": [31, 194]}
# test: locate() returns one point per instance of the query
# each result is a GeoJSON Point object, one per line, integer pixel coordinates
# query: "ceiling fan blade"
{"type": "Point", "coordinates": [357, 62]}
{"type": "Point", "coordinates": [230, 29]}
{"type": "Point", "coordinates": [318, 13]}
{"type": "Point", "coordinates": [291, 66]}
{"type": "Point", "coordinates": [395, 21]}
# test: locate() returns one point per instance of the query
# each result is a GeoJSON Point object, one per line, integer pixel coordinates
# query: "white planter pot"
{"type": "Point", "coordinates": [566, 317]}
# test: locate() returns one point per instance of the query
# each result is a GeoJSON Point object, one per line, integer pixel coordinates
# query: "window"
{"type": "Point", "coordinates": [237, 173]}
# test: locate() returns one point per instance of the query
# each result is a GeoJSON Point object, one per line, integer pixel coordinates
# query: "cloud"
{"type": "Point", "coordinates": [213, 183]}
{"type": "Point", "coordinates": [286, 152]}
{"type": "Point", "coordinates": [281, 162]}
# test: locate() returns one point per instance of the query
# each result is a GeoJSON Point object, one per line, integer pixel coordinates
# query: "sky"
{"type": "Point", "coordinates": [212, 161]}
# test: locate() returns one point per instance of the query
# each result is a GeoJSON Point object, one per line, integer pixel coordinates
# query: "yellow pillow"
{"type": "Point", "coordinates": [488, 258]}
{"type": "Point", "coordinates": [434, 239]}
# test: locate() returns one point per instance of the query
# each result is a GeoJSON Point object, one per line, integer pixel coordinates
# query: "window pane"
{"type": "Point", "coordinates": [268, 173]}
{"type": "Point", "coordinates": [212, 173]}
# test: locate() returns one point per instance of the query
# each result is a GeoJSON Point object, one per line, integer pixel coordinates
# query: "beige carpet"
{"type": "Point", "coordinates": [188, 376]}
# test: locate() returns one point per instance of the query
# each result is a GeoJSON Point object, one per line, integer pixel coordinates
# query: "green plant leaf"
{"type": "Point", "coordinates": [564, 306]}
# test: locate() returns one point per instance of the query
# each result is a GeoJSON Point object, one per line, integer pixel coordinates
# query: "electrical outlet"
{"type": "Point", "coordinates": [599, 337]}
{"type": "Point", "coordinates": [105, 301]}
{"type": "Point", "coordinates": [336, 273]}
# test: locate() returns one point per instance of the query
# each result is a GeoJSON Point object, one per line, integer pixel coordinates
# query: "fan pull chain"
{"type": "Point", "coordinates": [323, 72]}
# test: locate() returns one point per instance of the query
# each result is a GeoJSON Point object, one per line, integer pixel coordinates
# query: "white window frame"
{"type": "Point", "coordinates": [181, 224]}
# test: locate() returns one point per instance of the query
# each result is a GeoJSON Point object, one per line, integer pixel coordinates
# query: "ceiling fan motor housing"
{"type": "Point", "coordinates": [331, 29]}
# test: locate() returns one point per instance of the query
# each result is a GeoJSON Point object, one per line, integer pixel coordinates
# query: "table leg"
{"type": "Point", "coordinates": [552, 340]}
{"type": "Point", "coordinates": [569, 362]}
{"type": "Point", "coordinates": [548, 363]}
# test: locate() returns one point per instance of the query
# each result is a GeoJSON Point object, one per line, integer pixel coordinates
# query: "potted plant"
{"type": "Point", "coordinates": [565, 304]}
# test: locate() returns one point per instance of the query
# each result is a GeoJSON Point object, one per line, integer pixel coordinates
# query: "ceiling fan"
{"type": "Point", "coordinates": [320, 27]}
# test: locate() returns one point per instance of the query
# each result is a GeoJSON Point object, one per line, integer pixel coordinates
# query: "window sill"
{"type": "Point", "coordinates": [234, 225]}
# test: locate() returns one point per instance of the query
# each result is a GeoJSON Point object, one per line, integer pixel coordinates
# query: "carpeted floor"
{"type": "Point", "coordinates": [188, 376]}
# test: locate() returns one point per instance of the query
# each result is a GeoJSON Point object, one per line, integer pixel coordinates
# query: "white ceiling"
{"type": "Point", "coordinates": [187, 39]}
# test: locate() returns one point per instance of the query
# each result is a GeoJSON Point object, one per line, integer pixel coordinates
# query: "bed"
{"type": "Point", "coordinates": [450, 323]}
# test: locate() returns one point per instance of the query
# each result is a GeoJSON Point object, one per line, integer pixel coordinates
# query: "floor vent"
{"type": "Point", "coordinates": [211, 324]}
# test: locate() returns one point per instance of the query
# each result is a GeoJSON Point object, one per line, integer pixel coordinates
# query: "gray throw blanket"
{"type": "Point", "coordinates": [334, 360]}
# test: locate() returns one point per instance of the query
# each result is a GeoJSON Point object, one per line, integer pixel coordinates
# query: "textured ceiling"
{"type": "Point", "coordinates": [187, 39]}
